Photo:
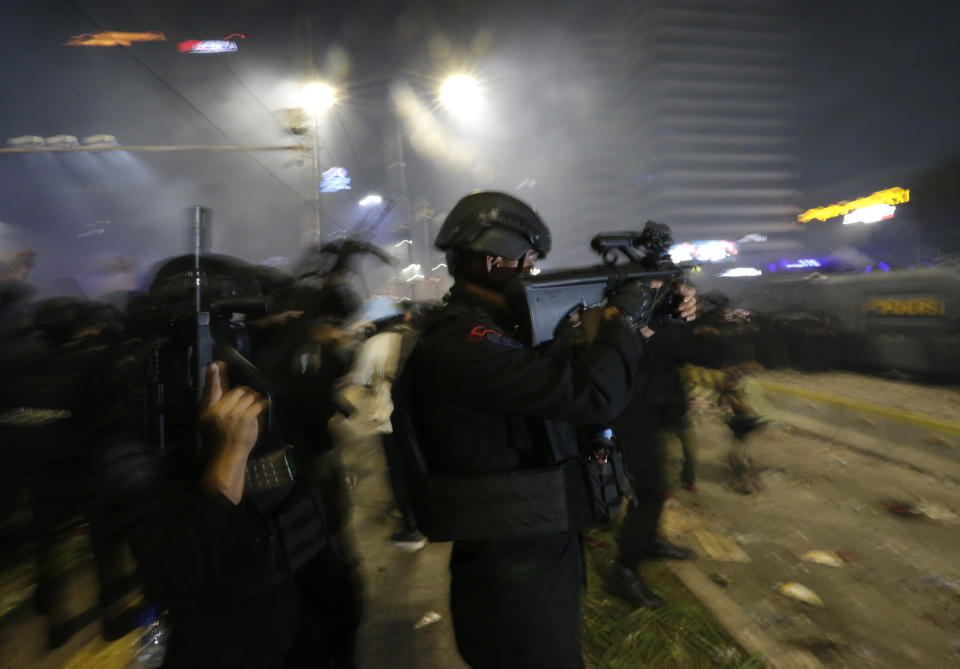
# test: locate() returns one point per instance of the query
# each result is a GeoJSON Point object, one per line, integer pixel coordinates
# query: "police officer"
{"type": "Point", "coordinates": [490, 411]}
{"type": "Point", "coordinates": [658, 406]}
{"type": "Point", "coordinates": [235, 533]}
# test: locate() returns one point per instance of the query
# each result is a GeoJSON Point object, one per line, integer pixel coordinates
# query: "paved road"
{"type": "Point", "coordinates": [896, 603]}
{"type": "Point", "coordinates": [400, 588]}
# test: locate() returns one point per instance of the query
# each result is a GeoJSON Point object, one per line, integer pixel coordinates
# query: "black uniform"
{"type": "Point", "coordinates": [658, 405]}
{"type": "Point", "coordinates": [241, 590]}
{"type": "Point", "coordinates": [484, 403]}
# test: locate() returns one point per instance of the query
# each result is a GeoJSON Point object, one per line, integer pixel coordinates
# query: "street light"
{"type": "Point", "coordinates": [461, 94]}
{"type": "Point", "coordinates": [315, 98]}
{"type": "Point", "coordinates": [370, 199]}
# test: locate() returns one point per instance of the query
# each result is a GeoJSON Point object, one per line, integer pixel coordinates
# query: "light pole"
{"type": "Point", "coordinates": [463, 98]}
{"type": "Point", "coordinates": [315, 98]}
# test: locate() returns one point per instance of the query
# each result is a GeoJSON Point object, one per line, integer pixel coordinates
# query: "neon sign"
{"type": "Point", "coordinates": [872, 214]}
{"type": "Point", "coordinates": [114, 38]}
{"type": "Point", "coordinates": [209, 46]}
{"type": "Point", "coordinates": [889, 196]}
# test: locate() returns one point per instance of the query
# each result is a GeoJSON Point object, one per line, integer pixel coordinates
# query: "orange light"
{"type": "Point", "coordinates": [114, 38]}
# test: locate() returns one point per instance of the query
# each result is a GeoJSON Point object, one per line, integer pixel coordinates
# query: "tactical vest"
{"type": "Point", "coordinates": [564, 497]}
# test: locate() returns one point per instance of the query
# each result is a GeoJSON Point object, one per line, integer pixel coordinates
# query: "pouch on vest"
{"type": "Point", "coordinates": [493, 506]}
{"type": "Point", "coordinates": [606, 476]}
{"type": "Point", "coordinates": [301, 527]}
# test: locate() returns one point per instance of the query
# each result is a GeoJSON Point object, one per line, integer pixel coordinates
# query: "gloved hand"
{"type": "Point", "coordinates": [634, 300]}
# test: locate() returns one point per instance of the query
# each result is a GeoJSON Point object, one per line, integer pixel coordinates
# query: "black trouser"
{"type": "Point", "coordinates": [516, 602]}
{"type": "Point", "coordinates": [328, 612]}
{"type": "Point", "coordinates": [307, 620]}
{"type": "Point", "coordinates": [398, 481]}
{"type": "Point", "coordinates": [644, 451]}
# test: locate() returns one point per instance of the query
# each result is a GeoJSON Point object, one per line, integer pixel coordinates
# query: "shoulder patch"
{"type": "Point", "coordinates": [482, 333]}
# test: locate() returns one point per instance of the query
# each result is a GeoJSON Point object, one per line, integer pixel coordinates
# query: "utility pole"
{"type": "Point", "coordinates": [397, 180]}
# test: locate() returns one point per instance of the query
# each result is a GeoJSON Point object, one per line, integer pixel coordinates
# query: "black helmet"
{"type": "Point", "coordinates": [494, 223]}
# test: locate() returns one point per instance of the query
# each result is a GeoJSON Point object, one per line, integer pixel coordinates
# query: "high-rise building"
{"type": "Point", "coordinates": [700, 128]}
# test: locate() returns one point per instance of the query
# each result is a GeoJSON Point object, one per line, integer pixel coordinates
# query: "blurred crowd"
{"type": "Point", "coordinates": [99, 434]}
{"type": "Point", "coordinates": [101, 439]}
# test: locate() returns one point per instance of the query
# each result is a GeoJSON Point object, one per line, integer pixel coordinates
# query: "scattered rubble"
{"type": "Point", "coordinates": [427, 618]}
{"type": "Point", "coordinates": [825, 558]}
{"type": "Point", "coordinates": [801, 593]}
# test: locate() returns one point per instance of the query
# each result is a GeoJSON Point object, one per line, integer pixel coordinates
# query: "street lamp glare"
{"type": "Point", "coordinates": [460, 93]}
{"type": "Point", "coordinates": [370, 199]}
{"type": "Point", "coordinates": [317, 97]}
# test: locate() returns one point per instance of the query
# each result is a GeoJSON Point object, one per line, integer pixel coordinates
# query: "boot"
{"type": "Point", "coordinates": [627, 584]}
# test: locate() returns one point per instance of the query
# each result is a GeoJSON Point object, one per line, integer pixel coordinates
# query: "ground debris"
{"type": "Point", "coordinates": [427, 618]}
{"type": "Point", "coordinates": [720, 547]}
{"type": "Point", "coordinates": [902, 509]}
{"type": "Point", "coordinates": [944, 584]}
{"type": "Point", "coordinates": [801, 593]}
{"type": "Point", "coordinates": [847, 556]}
{"type": "Point", "coordinates": [938, 512]}
{"type": "Point", "coordinates": [721, 578]}
{"type": "Point", "coordinates": [825, 558]}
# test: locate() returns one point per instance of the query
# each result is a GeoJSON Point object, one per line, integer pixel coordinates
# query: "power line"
{"type": "Point", "coordinates": [180, 95]}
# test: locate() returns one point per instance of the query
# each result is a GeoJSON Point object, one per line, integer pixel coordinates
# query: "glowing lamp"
{"type": "Point", "coordinates": [95, 141]}
{"type": "Point", "coordinates": [61, 141]}
{"type": "Point", "coordinates": [25, 141]}
{"type": "Point", "coordinates": [741, 271]}
{"type": "Point", "coordinates": [334, 179]}
{"type": "Point", "coordinates": [460, 94]}
{"type": "Point", "coordinates": [871, 214]}
{"type": "Point", "coordinates": [317, 97]}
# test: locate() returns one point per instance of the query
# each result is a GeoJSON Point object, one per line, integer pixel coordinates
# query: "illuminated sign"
{"type": "Point", "coordinates": [206, 46]}
{"type": "Point", "coordinates": [888, 196]}
{"type": "Point", "coordinates": [905, 306]}
{"type": "Point", "coordinates": [802, 263]}
{"type": "Point", "coordinates": [872, 214]}
{"type": "Point", "coordinates": [209, 46]}
{"type": "Point", "coordinates": [335, 179]}
{"type": "Point", "coordinates": [712, 250]}
{"type": "Point", "coordinates": [113, 38]}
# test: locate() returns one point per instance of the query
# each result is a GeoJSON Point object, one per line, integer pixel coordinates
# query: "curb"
{"type": "Point", "coordinates": [751, 637]}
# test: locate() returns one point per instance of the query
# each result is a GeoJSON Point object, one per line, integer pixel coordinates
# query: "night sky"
{"type": "Point", "coordinates": [876, 90]}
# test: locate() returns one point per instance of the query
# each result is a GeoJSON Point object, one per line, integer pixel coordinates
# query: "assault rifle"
{"type": "Point", "coordinates": [191, 302]}
{"type": "Point", "coordinates": [548, 299]}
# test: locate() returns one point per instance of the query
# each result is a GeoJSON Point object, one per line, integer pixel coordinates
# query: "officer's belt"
{"type": "Point", "coordinates": [488, 506]}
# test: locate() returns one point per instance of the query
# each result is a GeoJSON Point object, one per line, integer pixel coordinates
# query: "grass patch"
{"type": "Point", "coordinates": [682, 634]}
